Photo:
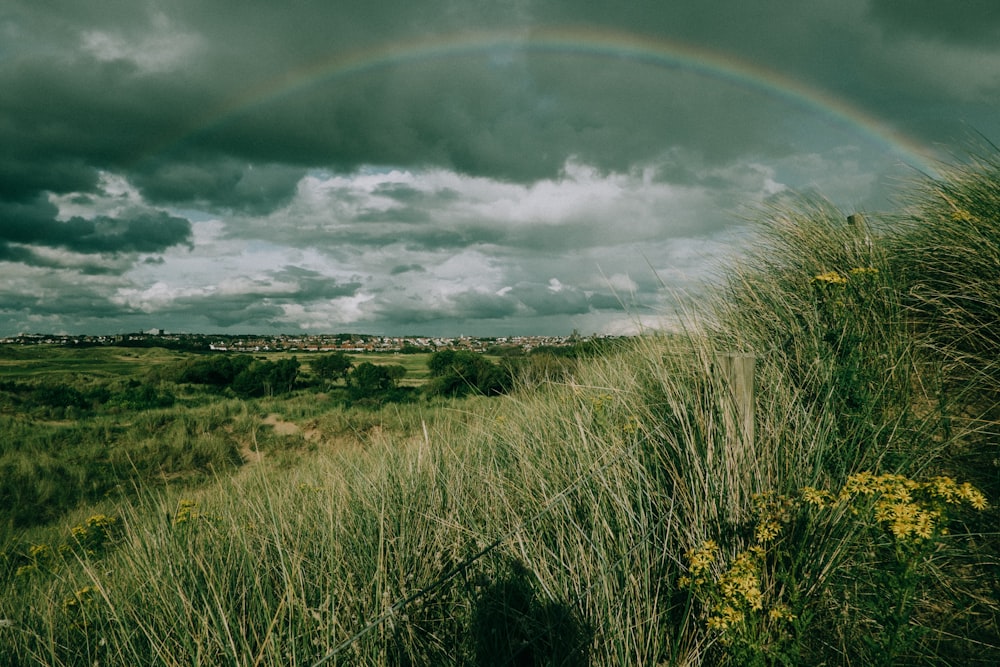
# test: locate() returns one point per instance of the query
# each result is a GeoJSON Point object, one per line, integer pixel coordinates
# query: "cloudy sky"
{"type": "Point", "coordinates": [446, 167]}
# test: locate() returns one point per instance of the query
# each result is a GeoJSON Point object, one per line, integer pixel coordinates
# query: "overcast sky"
{"type": "Point", "coordinates": [446, 167]}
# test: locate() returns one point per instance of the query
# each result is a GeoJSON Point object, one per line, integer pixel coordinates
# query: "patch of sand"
{"type": "Point", "coordinates": [280, 426]}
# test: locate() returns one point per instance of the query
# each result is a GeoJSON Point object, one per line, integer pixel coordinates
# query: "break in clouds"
{"type": "Point", "coordinates": [241, 167]}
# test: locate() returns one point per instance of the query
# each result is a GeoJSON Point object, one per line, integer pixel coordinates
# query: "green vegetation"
{"type": "Point", "coordinates": [608, 510]}
{"type": "Point", "coordinates": [458, 373]}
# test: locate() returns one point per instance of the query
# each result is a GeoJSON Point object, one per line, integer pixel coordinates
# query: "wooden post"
{"type": "Point", "coordinates": [737, 379]}
{"type": "Point", "coordinates": [857, 222]}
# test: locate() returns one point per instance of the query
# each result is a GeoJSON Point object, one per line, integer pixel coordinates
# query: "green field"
{"type": "Point", "coordinates": [57, 361]}
{"type": "Point", "coordinates": [415, 364]}
{"type": "Point", "coordinates": [60, 362]}
{"type": "Point", "coordinates": [618, 510]}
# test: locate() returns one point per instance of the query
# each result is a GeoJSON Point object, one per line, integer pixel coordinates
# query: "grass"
{"type": "Point", "coordinates": [57, 361]}
{"type": "Point", "coordinates": [617, 515]}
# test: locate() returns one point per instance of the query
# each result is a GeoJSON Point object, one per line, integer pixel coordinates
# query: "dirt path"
{"type": "Point", "coordinates": [281, 427]}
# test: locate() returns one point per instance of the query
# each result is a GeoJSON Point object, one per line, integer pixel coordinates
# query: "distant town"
{"type": "Point", "coordinates": [342, 342]}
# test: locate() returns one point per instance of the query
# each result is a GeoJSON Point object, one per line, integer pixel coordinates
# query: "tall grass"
{"type": "Point", "coordinates": [946, 252]}
{"type": "Point", "coordinates": [616, 515]}
{"type": "Point", "coordinates": [47, 469]}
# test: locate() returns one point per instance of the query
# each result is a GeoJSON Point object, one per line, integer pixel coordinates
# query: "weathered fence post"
{"type": "Point", "coordinates": [737, 379]}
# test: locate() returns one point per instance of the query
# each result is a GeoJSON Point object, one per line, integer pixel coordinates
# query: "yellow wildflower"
{"type": "Point", "coordinates": [767, 530]}
{"type": "Point", "coordinates": [946, 489]}
{"type": "Point", "coordinates": [781, 613]}
{"type": "Point", "coordinates": [725, 617]}
{"type": "Point", "coordinates": [701, 558]}
{"type": "Point", "coordinates": [973, 496]}
{"type": "Point", "coordinates": [39, 551]}
{"type": "Point", "coordinates": [187, 510]}
{"type": "Point", "coordinates": [816, 497]}
{"type": "Point", "coordinates": [961, 215]}
{"type": "Point", "coordinates": [25, 570]}
{"type": "Point", "coordinates": [740, 584]}
{"type": "Point", "coordinates": [79, 598]}
{"type": "Point", "coordinates": [830, 278]}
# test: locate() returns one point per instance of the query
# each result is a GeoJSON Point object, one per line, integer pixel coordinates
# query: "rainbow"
{"type": "Point", "coordinates": [582, 41]}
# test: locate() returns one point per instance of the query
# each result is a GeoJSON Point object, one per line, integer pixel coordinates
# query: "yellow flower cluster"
{"type": "Point", "coordinates": [738, 593]}
{"type": "Point", "coordinates": [954, 493]}
{"type": "Point", "coordinates": [734, 593]}
{"type": "Point", "coordinates": [906, 520]}
{"type": "Point", "coordinates": [699, 560]}
{"type": "Point", "coordinates": [837, 278]}
{"type": "Point", "coordinates": [781, 613]}
{"type": "Point", "coordinates": [767, 530]}
{"type": "Point", "coordinates": [601, 401]}
{"type": "Point", "coordinates": [40, 552]}
{"type": "Point", "coordinates": [961, 215]}
{"type": "Point", "coordinates": [40, 555]}
{"type": "Point", "coordinates": [830, 278]}
{"type": "Point", "coordinates": [725, 617]}
{"type": "Point", "coordinates": [772, 510]}
{"type": "Point", "coordinates": [911, 510]}
{"type": "Point", "coordinates": [740, 584]}
{"type": "Point", "coordinates": [187, 510]}
{"type": "Point", "coordinates": [78, 599]}
{"type": "Point", "coordinates": [93, 533]}
{"type": "Point", "coordinates": [818, 498]}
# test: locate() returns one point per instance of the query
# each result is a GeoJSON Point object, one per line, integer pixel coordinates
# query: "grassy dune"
{"type": "Point", "coordinates": [618, 516]}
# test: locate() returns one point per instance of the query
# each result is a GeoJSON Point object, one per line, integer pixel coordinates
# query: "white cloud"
{"type": "Point", "coordinates": [156, 297]}
{"type": "Point", "coordinates": [621, 283]}
{"type": "Point", "coordinates": [332, 314]}
{"type": "Point", "coordinates": [162, 49]}
{"type": "Point", "coordinates": [116, 196]}
{"type": "Point", "coordinates": [468, 247]}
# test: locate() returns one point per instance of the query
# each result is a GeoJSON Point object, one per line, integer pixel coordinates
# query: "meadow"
{"type": "Point", "coordinates": [612, 512]}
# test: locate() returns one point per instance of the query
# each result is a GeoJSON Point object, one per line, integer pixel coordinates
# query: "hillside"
{"type": "Point", "coordinates": [620, 511]}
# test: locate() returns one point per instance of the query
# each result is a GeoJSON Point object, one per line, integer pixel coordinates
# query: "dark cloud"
{"type": "Point", "coordinates": [250, 312]}
{"type": "Point", "coordinates": [404, 215]}
{"type": "Point", "coordinates": [35, 223]}
{"type": "Point", "coordinates": [219, 186]}
{"type": "Point", "coordinates": [552, 299]}
{"type": "Point", "coordinates": [482, 306]}
{"type": "Point", "coordinates": [520, 120]}
{"type": "Point", "coordinates": [307, 285]}
{"type": "Point", "coordinates": [47, 296]}
{"type": "Point", "coordinates": [406, 268]}
{"type": "Point", "coordinates": [612, 302]}
{"type": "Point", "coordinates": [971, 21]}
{"type": "Point", "coordinates": [134, 132]}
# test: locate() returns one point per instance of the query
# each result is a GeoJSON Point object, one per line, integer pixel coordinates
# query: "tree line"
{"type": "Point", "coordinates": [453, 373]}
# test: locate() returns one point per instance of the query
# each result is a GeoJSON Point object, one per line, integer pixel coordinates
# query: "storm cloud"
{"type": "Point", "coordinates": [445, 166]}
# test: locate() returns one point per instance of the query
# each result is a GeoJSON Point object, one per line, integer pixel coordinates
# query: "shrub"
{"type": "Point", "coordinates": [459, 373]}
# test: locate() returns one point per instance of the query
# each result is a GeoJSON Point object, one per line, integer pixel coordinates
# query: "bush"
{"type": "Point", "coordinates": [266, 378]}
{"type": "Point", "coordinates": [460, 373]}
{"type": "Point", "coordinates": [217, 370]}
{"type": "Point", "coordinates": [331, 366]}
